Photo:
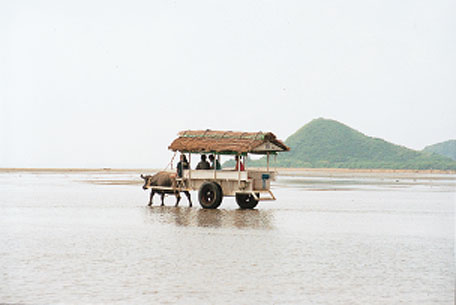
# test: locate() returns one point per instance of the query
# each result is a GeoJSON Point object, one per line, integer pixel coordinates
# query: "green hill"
{"type": "Point", "coordinates": [324, 143]}
{"type": "Point", "coordinates": [447, 149]}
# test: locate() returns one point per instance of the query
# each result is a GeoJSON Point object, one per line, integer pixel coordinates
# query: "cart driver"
{"type": "Point", "coordinates": [183, 164]}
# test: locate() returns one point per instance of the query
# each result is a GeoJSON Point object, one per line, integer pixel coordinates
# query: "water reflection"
{"type": "Point", "coordinates": [219, 218]}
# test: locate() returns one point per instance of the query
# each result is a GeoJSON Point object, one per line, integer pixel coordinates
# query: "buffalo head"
{"type": "Point", "coordinates": [146, 181]}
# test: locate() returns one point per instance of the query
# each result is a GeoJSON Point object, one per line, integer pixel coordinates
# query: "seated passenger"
{"type": "Point", "coordinates": [183, 164]}
{"type": "Point", "coordinates": [217, 163]}
{"type": "Point", "coordinates": [240, 164]}
{"type": "Point", "coordinates": [203, 164]}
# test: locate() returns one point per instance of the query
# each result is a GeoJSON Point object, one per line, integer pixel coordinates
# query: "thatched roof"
{"type": "Point", "coordinates": [198, 141]}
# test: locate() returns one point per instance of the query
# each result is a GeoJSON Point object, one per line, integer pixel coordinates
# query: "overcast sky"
{"type": "Point", "coordinates": [110, 83]}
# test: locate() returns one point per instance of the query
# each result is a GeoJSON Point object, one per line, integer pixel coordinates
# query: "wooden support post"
{"type": "Point", "coordinates": [267, 162]}
{"type": "Point", "coordinates": [275, 162]}
{"type": "Point", "coordinates": [189, 167]}
{"type": "Point", "coordinates": [239, 170]}
{"type": "Point", "coordinates": [215, 167]}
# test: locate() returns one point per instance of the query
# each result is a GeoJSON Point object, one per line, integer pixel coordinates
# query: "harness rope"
{"type": "Point", "coordinates": [171, 162]}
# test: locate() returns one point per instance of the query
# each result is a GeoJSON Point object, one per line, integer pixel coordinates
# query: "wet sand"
{"type": "Point", "coordinates": [84, 237]}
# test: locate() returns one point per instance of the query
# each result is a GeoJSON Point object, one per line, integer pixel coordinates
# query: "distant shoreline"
{"type": "Point", "coordinates": [363, 170]}
{"type": "Point", "coordinates": [281, 171]}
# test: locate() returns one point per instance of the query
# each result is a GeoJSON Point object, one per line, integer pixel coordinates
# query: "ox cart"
{"type": "Point", "coordinates": [248, 186]}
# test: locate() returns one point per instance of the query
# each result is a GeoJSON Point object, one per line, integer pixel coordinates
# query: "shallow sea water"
{"type": "Point", "coordinates": [79, 238]}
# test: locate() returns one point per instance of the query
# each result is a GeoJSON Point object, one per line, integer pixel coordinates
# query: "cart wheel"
{"type": "Point", "coordinates": [246, 201]}
{"type": "Point", "coordinates": [210, 195]}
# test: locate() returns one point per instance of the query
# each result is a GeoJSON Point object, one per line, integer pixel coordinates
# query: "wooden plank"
{"type": "Point", "coordinates": [168, 188]}
{"type": "Point", "coordinates": [253, 193]}
{"type": "Point", "coordinates": [272, 195]}
{"type": "Point", "coordinates": [208, 174]}
{"type": "Point", "coordinates": [255, 196]}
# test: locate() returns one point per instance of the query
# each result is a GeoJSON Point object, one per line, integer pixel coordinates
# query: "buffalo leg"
{"type": "Point", "coordinates": [187, 193]}
{"type": "Point", "coordinates": [152, 193]}
{"type": "Point", "coordinates": [178, 198]}
{"type": "Point", "coordinates": [163, 198]}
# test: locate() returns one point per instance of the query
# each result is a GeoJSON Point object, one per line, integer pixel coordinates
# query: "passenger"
{"type": "Point", "coordinates": [240, 163]}
{"type": "Point", "coordinates": [217, 163]}
{"type": "Point", "coordinates": [203, 164]}
{"type": "Point", "coordinates": [183, 164]}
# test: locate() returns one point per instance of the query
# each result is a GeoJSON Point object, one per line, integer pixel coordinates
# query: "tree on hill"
{"type": "Point", "coordinates": [328, 143]}
{"type": "Point", "coordinates": [447, 149]}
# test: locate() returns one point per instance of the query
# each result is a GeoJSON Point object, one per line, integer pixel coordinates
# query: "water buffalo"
{"type": "Point", "coordinates": [163, 179]}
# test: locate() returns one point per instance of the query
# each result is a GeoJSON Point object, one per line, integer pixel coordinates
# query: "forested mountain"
{"type": "Point", "coordinates": [324, 143]}
{"type": "Point", "coordinates": [447, 149]}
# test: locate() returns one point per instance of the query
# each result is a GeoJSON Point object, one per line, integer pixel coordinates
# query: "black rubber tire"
{"type": "Point", "coordinates": [221, 192]}
{"type": "Point", "coordinates": [246, 201]}
{"type": "Point", "coordinates": [210, 195]}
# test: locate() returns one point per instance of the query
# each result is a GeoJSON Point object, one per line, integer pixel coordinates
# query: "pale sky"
{"type": "Point", "coordinates": [110, 83]}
